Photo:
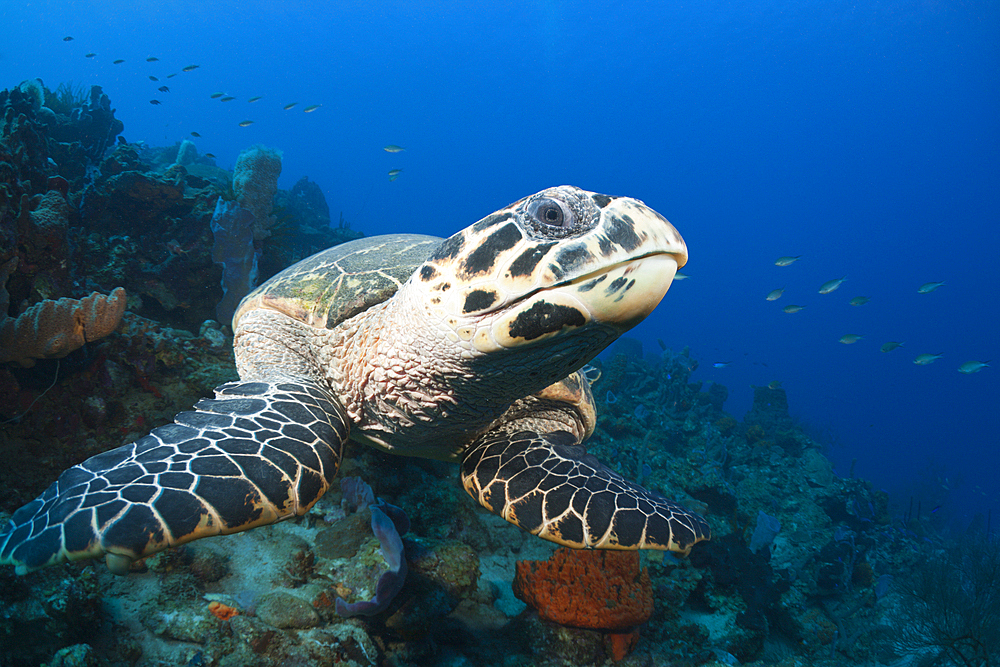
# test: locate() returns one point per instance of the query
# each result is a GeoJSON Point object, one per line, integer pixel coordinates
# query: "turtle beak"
{"type": "Point", "coordinates": [624, 295]}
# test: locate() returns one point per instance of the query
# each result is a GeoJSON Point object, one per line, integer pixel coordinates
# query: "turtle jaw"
{"type": "Point", "coordinates": [616, 297]}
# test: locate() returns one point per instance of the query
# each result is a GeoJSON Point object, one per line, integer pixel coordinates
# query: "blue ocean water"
{"type": "Point", "coordinates": [862, 136]}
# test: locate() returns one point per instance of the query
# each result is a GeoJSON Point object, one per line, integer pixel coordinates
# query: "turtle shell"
{"type": "Point", "coordinates": [342, 281]}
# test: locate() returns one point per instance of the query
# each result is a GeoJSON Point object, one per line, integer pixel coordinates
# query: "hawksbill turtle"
{"type": "Point", "coordinates": [464, 349]}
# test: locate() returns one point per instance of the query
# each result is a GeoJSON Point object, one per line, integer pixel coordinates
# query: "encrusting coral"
{"type": "Point", "coordinates": [54, 328]}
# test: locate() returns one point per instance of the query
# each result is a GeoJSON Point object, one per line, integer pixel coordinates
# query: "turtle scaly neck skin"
{"type": "Point", "coordinates": [412, 386]}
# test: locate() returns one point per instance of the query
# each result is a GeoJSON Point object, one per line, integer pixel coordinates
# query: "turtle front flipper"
{"type": "Point", "coordinates": [548, 485]}
{"type": "Point", "coordinates": [259, 452]}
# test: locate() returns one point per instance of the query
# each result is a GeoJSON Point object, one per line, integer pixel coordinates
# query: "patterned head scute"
{"type": "Point", "coordinates": [559, 261]}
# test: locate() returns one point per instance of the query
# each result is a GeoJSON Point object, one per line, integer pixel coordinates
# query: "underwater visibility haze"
{"type": "Point", "coordinates": [820, 382]}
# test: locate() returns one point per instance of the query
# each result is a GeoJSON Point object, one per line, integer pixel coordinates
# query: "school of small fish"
{"type": "Point", "coordinates": [221, 96]}
{"type": "Point", "coordinates": [829, 286]}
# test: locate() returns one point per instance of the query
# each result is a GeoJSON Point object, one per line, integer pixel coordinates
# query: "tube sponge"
{"type": "Point", "coordinates": [766, 530]}
{"type": "Point", "coordinates": [255, 181]}
{"type": "Point", "coordinates": [232, 228]}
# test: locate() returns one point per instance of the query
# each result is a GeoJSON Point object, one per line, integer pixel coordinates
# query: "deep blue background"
{"type": "Point", "coordinates": [863, 136]}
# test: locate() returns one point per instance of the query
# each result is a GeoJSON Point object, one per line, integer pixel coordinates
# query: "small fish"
{"type": "Point", "coordinates": [216, 96]}
{"type": "Point", "coordinates": [311, 108]}
{"type": "Point", "coordinates": [973, 366]}
{"type": "Point", "coordinates": [210, 155]}
{"type": "Point", "coordinates": [254, 99]}
{"type": "Point", "coordinates": [859, 300]}
{"type": "Point", "coordinates": [227, 98]}
{"type": "Point", "coordinates": [155, 102]}
{"type": "Point", "coordinates": [394, 174]}
{"type": "Point", "coordinates": [151, 59]}
{"type": "Point", "coordinates": [774, 294]}
{"type": "Point", "coordinates": [792, 309]}
{"type": "Point", "coordinates": [850, 339]}
{"type": "Point", "coordinates": [170, 76]}
{"type": "Point", "coordinates": [153, 78]}
{"type": "Point", "coordinates": [289, 106]}
{"type": "Point", "coordinates": [831, 285]}
{"type": "Point", "coordinates": [67, 38]}
{"type": "Point", "coordinates": [785, 261]}
{"type": "Point", "coordinates": [774, 385]}
{"type": "Point", "coordinates": [924, 359]}
{"type": "Point", "coordinates": [721, 364]}
{"type": "Point", "coordinates": [680, 275]}
{"type": "Point", "coordinates": [246, 123]}
{"type": "Point", "coordinates": [90, 55]}
{"type": "Point", "coordinates": [393, 148]}
{"type": "Point", "coordinates": [938, 507]}
{"type": "Point", "coordinates": [163, 89]}
{"type": "Point", "coordinates": [190, 68]}
{"type": "Point", "coordinates": [195, 134]}
{"type": "Point", "coordinates": [891, 345]}
{"type": "Point", "coordinates": [927, 288]}
{"type": "Point", "coordinates": [118, 62]}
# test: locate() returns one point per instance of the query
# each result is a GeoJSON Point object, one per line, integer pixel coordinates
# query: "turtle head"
{"type": "Point", "coordinates": [561, 264]}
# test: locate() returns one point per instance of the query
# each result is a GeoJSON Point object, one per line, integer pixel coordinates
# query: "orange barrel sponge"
{"type": "Point", "coordinates": [584, 588]}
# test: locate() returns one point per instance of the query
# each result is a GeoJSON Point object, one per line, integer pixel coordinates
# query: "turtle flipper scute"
{"type": "Point", "coordinates": [259, 452]}
{"type": "Point", "coordinates": [548, 485]}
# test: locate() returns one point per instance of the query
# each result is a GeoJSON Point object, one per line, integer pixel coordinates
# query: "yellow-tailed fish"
{"type": "Point", "coordinates": [850, 339]}
{"type": "Point", "coordinates": [170, 76]}
{"type": "Point", "coordinates": [927, 288]}
{"type": "Point", "coordinates": [255, 98]}
{"type": "Point", "coordinates": [792, 308]}
{"type": "Point", "coordinates": [924, 359]}
{"type": "Point", "coordinates": [151, 59]}
{"type": "Point", "coordinates": [155, 103]}
{"type": "Point", "coordinates": [153, 78]}
{"type": "Point", "coordinates": [393, 148]}
{"type": "Point", "coordinates": [774, 385]}
{"type": "Point", "coordinates": [289, 106]}
{"type": "Point", "coordinates": [311, 108]}
{"type": "Point", "coordinates": [245, 123]}
{"type": "Point", "coordinates": [195, 134]}
{"type": "Point", "coordinates": [859, 300]}
{"type": "Point", "coordinates": [891, 345]}
{"type": "Point", "coordinates": [90, 55]}
{"type": "Point", "coordinates": [210, 155]}
{"type": "Point", "coordinates": [227, 98]}
{"type": "Point", "coordinates": [216, 96]}
{"type": "Point", "coordinates": [67, 38]}
{"type": "Point", "coordinates": [190, 68]}
{"type": "Point", "coordinates": [163, 89]}
{"type": "Point", "coordinates": [774, 294]}
{"type": "Point", "coordinates": [831, 285]}
{"type": "Point", "coordinates": [394, 174]}
{"type": "Point", "coordinates": [973, 366]}
{"type": "Point", "coordinates": [118, 62]}
{"type": "Point", "coordinates": [785, 261]}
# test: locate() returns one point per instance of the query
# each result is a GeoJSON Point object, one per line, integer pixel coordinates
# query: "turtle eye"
{"type": "Point", "coordinates": [552, 212]}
